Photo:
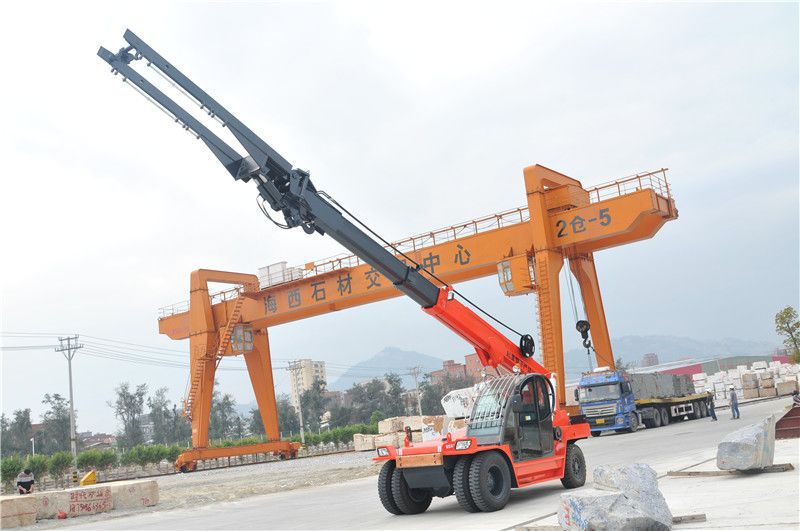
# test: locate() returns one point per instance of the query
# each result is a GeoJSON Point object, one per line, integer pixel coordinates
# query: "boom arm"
{"type": "Point", "coordinates": [289, 190]}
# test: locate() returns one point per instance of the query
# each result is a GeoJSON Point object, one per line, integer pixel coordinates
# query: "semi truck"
{"type": "Point", "coordinates": [623, 402]}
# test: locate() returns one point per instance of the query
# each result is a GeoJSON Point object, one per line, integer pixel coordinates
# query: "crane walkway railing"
{"type": "Point", "coordinates": [655, 180]}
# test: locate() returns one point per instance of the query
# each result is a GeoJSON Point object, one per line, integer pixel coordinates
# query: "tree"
{"type": "Point", "coordinates": [223, 413]}
{"type": "Point", "coordinates": [19, 433]}
{"type": "Point", "coordinates": [58, 465]}
{"type": "Point", "coordinates": [432, 392]}
{"type": "Point", "coordinates": [393, 404]}
{"type": "Point", "coordinates": [313, 403]}
{"type": "Point", "coordinates": [367, 397]}
{"type": "Point", "coordinates": [55, 435]}
{"type": "Point", "coordinates": [180, 429]}
{"type": "Point", "coordinates": [160, 415]}
{"type": "Point", "coordinates": [341, 416]}
{"type": "Point", "coordinates": [128, 408]}
{"type": "Point", "coordinates": [10, 466]}
{"type": "Point", "coordinates": [788, 326]}
{"type": "Point", "coordinates": [288, 422]}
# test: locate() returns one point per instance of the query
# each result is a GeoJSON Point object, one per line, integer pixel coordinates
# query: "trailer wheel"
{"type": "Point", "coordinates": [489, 481]}
{"type": "Point", "coordinates": [703, 409]}
{"type": "Point", "coordinates": [461, 484]}
{"type": "Point", "coordinates": [697, 413]}
{"type": "Point", "coordinates": [664, 416]}
{"type": "Point", "coordinates": [409, 501]}
{"type": "Point", "coordinates": [385, 488]}
{"type": "Point", "coordinates": [574, 468]}
{"type": "Point", "coordinates": [656, 418]}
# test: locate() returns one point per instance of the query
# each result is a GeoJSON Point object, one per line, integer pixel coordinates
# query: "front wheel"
{"type": "Point", "coordinates": [461, 484]}
{"type": "Point", "coordinates": [574, 468]}
{"type": "Point", "coordinates": [489, 481]}
{"type": "Point", "coordinates": [385, 488]}
{"type": "Point", "coordinates": [597, 433]}
{"type": "Point", "coordinates": [634, 423]}
{"type": "Point", "coordinates": [408, 500]}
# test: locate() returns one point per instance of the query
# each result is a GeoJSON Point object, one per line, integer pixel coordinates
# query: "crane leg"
{"type": "Point", "coordinates": [201, 411]}
{"type": "Point", "coordinates": [584, 270]}
{"type": "Point", "coordinates": [259, 366]}
{"type": "Point", "coordinates": [548, 266]}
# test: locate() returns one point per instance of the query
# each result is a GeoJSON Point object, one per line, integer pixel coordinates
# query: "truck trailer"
{"type": "Point", "coordinates": [622, 401]}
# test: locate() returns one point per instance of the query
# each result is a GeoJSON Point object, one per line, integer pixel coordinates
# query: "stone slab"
{"type": "Point", "coordinates": [768, 392]}
{"type": "Point", "coordinates": [16, 511]}
{"type": "Point", "coordinates": [749, 448]}
{"type": "Point", "coordinates": [134, 493]}
{"type": "Point", "coordinates": [786, 388]}
{"type": "Point", "coordinates": [363, 442]}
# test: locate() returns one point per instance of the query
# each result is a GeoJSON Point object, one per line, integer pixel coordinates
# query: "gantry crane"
{"type": "Point", "coordinates": [562, 220]}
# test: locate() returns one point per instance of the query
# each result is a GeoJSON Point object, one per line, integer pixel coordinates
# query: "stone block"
{"type": "Point", "coordinates": [89, 500]}
{"type": "Point", "coordinates": [133, 494]}
{"type": "Point", "coordinates": [786, 388]}
{"type": "Point", "coordinates": [751, 393]}
{"type": "Point", "coordinates": [766, 383]}
{"type": "Point", "coordinates": [362, 442]}
{"type": "Point", "coordinates": [16, 511]}
{"type": "Point", "coordinates": [750, 448]}
{"type": "Point", "coordinates": [767, 392]}
{"type": "Point", "coordinates": [434, 421]}
{"type": "Point", "coordinates": [624, 497]}
{"type": "Point", "coordinates": [390, 439]}
{"type": "Point", "coordinates": [50, 503]}
{"type": "Point", "coordinates": [390, 425]}
{"type": "Point", "coordinates": [414, 422]}
{"type": "Point", "coordinates": [750, 384]}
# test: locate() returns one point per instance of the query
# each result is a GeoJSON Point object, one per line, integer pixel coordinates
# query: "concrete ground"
{"type": "Point", "coordinates": [354, 504]}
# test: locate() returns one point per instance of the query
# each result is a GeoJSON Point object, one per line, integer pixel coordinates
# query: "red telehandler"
{"type": "Point", "coordinates": [514, 436]}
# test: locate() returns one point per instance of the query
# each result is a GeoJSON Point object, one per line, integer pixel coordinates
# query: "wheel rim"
{"type": "Point", "coordinates": [495, 481]}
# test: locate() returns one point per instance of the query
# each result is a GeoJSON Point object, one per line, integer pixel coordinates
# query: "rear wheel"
{"type": "Point", "coordinates": [703, 409]}
{"type": "Point", "coordinates": [597, 433]}
{"type": "Point", "coordinates": [489, 481]}
{"type": "Point", "coordinates": [656, 418]}
{"type": "Point", "coordinates": [385, 488]}
{"type": "Point", "coordinates": [409, 501]}
{"type": "Point", "coordinates": [461, 484]}
{"type": "Point", "coordinates": [664, 416]}
{"type": "Point", "coordinates": [696, 411]}
{"type": "Point", "coordinates": [574, 468]}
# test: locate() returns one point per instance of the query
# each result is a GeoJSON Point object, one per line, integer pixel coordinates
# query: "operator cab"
{"type": "Point", "coordinates": [516, 410]}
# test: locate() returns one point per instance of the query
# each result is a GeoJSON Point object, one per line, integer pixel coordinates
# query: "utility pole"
{"type": "Point", "coordinates": [295, 366]}
{"type": "Point", "coordinates": [69, 349]}
{"type": "Point", "coordinates": [415, 371]}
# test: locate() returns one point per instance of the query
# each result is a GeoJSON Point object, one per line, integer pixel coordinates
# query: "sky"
{"type": "Point", "coordinates": [416, 116]}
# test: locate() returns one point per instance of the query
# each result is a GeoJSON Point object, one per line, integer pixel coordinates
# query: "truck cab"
{"type": "Point", "coordinates": [606, 400]}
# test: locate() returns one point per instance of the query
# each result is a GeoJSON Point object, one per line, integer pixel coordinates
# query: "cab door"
{"type": "Point", "coordinates": [534, 419]}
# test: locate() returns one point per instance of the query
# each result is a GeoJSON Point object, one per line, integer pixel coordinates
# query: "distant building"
{"type": "Point", "coordinates": [148, 427]}
{"type": "Point", "coordinates": [449, 368]}
{"type": "Point", "coordinates": [410, 401]}
{"type": "Point", "coordinates": [99, 441]}
{"type": "Point", "coordinates": [334, 398]}
{"type": "Point", "coordinates": [649, 359]}
{"type": "Point", "coordinates": [303, 373]}
{"type": "Point", "coordinates": [475, 370]}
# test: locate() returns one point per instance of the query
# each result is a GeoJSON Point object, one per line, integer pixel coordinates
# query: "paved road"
{"type": "Point", "coordinates": [354, 504]}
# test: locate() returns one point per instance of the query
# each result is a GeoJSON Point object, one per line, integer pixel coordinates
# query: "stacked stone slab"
{"type": "Point", "coordinates": [750, 448]}
{"type": "Point", "coordinates": [622, 498]}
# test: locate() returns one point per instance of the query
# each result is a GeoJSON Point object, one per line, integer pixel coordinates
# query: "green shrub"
{"type": "Point", "coordinates": [173, 452]}
{"type": "Point", "coordinates": [9, 468]}
{"type": "Point", "coordinates": [59, 463]}
{"type": "Point", "coordinates": [38, 465]}
{"type": "Point", "coordinates": [127, 458]}
{"type": "Point", "coordinates": [108, 458]}
{"type": "Point", "coordinates": [89, 459]}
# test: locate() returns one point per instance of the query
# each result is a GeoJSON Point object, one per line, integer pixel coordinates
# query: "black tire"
{"type": "Point", "coordinates": [634, 423]}
{"type": "Point", "coordinates": [409, 501]}
{"type": "Point", "coordinates": [596, 433]}
{"type": "Point", "coordinates": [703, 409]}
{"type": "Point", "coordinates": [461, 484]}
{"type": "Point", "coordinates": [697, 413]}
{"type": "Point", "coordinates": [385, 488]}
{"type": "Point", "coordinates": [657, 418]}
{"type": "Point", "coordinates": [574, 468]}
{"type": "Point", "coordinates": [489, 481]}
{"type": "Point", "coordinates": [664, 416]}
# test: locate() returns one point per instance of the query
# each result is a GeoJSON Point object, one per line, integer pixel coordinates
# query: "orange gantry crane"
{"type": "Point", "coordinates": [526, 247]}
